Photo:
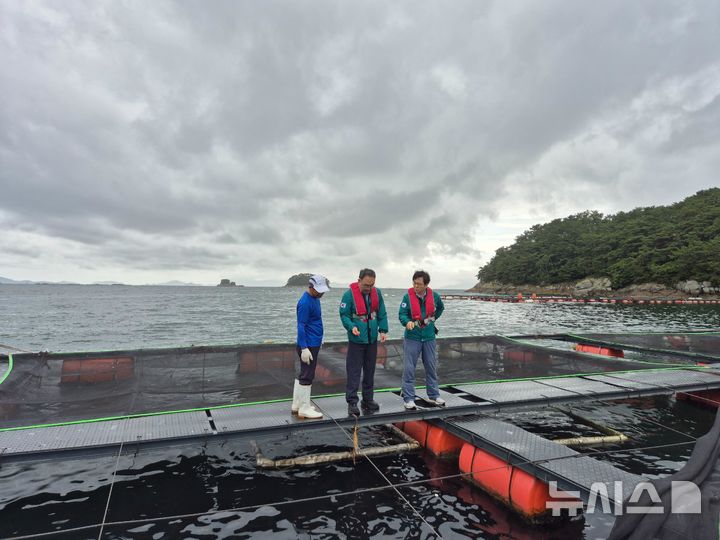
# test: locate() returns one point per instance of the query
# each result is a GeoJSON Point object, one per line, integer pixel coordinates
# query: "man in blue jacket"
{"type": "Point", "coordinates": [419, 309]}
{"type": "Point", "coordinates": [363, 314]}
{"type": "Point", "coordinates": [309, 340]}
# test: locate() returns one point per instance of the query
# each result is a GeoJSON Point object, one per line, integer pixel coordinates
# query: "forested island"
{"type": "Point", "coordinates": [299, 280]}
{"type": "Point", "coordinates": [658, 249]}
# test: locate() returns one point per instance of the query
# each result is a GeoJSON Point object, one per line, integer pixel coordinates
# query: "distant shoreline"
{"type": "Point", "coordinates": [642, 291]}
{"type": "Point", "coordinates": [63, 284]}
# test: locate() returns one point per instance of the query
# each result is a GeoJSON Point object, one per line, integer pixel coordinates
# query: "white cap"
{"type": "Point", "coordinates": [319, 283]}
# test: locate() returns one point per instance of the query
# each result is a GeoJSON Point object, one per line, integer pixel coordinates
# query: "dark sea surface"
{"type": "Point", "coordinates": [213, 489]}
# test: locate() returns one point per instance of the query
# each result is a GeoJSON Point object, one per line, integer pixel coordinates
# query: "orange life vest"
{"type": "Point", "coordinates": [416, 312]}
{"type": "Point", "coordinates": [359, 301]}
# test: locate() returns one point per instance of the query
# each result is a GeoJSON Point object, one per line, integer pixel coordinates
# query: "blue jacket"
{"type": "Point", "coordinates": [309, 322]}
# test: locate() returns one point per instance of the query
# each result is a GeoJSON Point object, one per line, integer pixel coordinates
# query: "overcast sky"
{"type": "Point", "coordinates": [152, 141]}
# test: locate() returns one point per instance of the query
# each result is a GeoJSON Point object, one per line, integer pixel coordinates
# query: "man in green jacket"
{"type": "Point", "coordinates": [362, 312]}
{"type": "Point", "coordinates": [419, 309]}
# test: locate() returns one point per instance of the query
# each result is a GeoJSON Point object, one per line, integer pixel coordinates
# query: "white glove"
{"type": "Point", "coordinates": [306, 355]}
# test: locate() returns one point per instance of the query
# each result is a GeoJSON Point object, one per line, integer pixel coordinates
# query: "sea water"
{"type": "Point", "coordinates": [64, 318]}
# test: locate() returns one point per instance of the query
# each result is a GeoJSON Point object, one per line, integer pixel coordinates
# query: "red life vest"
{"type": "Point", "coordinates": [415, 310]}
{"type": "Point", "coordinates": [359, 301]}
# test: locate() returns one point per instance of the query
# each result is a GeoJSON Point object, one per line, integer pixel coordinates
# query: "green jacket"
{"type": "Point", "coordinates": [368, 329]}
{"type": "Point", "coordinates": [425, 333]}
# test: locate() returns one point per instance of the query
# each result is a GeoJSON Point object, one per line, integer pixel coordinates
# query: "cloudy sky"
{"type": "Point", "coordinates": [152, 141]}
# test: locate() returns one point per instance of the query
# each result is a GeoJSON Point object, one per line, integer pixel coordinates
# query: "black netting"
{"type": "Point", "coordinates": [700, 345]}
{"type": "Point", "coordinates": [679, 516]}
{"type": "Point", "coordinates": [51, 388]}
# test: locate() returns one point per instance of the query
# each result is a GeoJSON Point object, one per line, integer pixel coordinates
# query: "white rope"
{"type": "Point", "coordinates": [15, 349]}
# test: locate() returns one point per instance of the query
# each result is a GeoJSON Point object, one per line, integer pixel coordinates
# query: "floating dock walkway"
{"type": "Point", "coordinates": [544, 459]}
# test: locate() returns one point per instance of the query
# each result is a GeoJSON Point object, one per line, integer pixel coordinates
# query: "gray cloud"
{"type": "Point", "coordinates": [244, 135]}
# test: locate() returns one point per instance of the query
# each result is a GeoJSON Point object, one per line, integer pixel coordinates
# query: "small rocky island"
{"type": "Point", "coordinates": [298, 280]}
{"type": "Point", "coordinates": [227, 283]}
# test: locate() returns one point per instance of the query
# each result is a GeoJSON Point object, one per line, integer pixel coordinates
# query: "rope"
{"type": "Point", "coordinates": [10, 348]}
{"type": "Point", "coordinates": [390, 484]}
{"type": "Point", "coordinates": [114, 474]}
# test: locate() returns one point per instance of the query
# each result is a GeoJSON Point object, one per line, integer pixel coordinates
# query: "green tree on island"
{"type": "Point", "coordinates": [662, 244]}
{"type": "Point", "coordinates": [299, 280]}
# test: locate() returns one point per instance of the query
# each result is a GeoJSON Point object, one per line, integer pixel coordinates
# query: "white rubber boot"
{"type": "Point", "coordinates": [306, 410]}
{"type": "Point", "coordinates": [296, 398]}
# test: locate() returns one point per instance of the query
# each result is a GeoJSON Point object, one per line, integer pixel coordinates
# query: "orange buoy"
{"type": "Point", "coordinates": [596, 349]}
{"type": "Point", "coordinates": [438, 441]}
{"type": "Point", "coordinates": [528, 494]}
{"type": "Point", "coordinates": [273, 359]}
{"type": "Point", "coordinates": [96, 370]}
{"type": "Point", "coordinates": [518, 355]}
{"type": "Point", "coordinates": [443, 444]}
{"type": "Point", "coordinates": [326, 377]}
{"type": "Point", "coordinates": [382, 354]}
{"type": "Point", "coordinates": [489, 472]}
{"type": "Point", "coordinates": [248, 362]}
{"type": "Point", "coordinates": [678, 342]}
{"type": "Point", "coordinates": [288, 360]}
{"type": "Point", "coordinates": [516, 361]}
{"type": "Point", "coordinates": [418, 430]}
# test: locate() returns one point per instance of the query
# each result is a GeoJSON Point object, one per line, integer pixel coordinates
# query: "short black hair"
{"type": "Point", "coordinates": [366, 272]}
{"type": "Point", "coordinates": [422, 274]}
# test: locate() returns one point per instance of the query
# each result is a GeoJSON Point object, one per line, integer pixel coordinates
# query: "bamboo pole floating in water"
{"type": "Point", "coordinates": [611, 436]}
{"type": "Point", "coordinates": [591, 441]}
{"type": "Point", "coordinates": [329, 457]}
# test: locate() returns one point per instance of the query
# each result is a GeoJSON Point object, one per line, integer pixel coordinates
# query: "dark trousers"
{"type": "Point", "coordinates": [307, 371]}
{"type": "Point", "coordinates": [360, 359]}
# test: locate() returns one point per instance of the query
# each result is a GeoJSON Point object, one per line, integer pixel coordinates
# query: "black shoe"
{"type": "Point", "coordinates": [370, 406]}
{"type": "Point", "coordinates": [353, 409]}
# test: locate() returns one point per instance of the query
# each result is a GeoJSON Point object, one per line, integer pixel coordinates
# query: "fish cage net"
{"type": "Point", "coordinates": [46, 388]}
{"type": "Point", "coordinates": [693, 344]}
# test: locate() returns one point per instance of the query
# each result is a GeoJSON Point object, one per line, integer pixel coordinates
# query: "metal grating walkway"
{"type": "Point", "coordinates": [462, 399]}
{"type": "Point", "coordinates": [543, 458]}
